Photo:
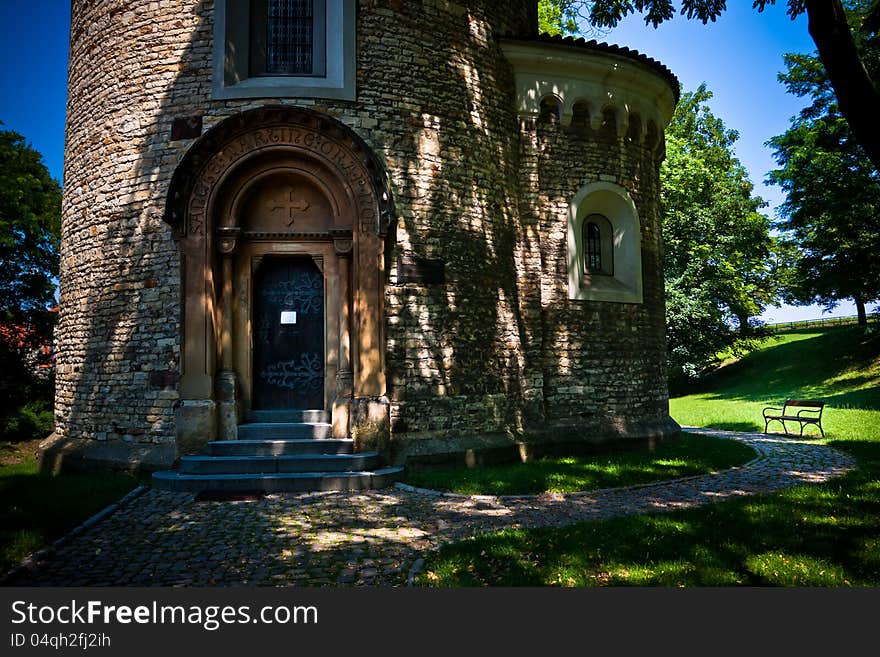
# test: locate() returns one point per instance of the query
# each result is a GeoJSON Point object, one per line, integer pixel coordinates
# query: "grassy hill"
{"type": "Point", "coordinates": [827, 535]}
{"type": "Point", "coordinates": [840, 366]}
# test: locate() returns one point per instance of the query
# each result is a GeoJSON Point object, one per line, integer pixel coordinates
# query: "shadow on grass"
{"type": "Point", "coordinates": [825, 535]}
{"type": "Point", "coordinates": [802, 368]}
{"type": "Point", "coordinates": [36, 509]}
{"type": "Point", "coordinates": [689, 455]}
{"type": "Point", "coordinates": [748, 427]}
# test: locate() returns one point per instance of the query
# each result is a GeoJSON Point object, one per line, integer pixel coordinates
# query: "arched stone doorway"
{"type": "Point", "coordinates": [270, 191]}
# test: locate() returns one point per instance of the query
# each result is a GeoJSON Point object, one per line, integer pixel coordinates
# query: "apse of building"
{"type": "Point", "coordinates": [423, 221]}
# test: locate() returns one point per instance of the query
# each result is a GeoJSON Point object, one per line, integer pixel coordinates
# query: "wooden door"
{"type": "Point", "coordinates": [288, 335]}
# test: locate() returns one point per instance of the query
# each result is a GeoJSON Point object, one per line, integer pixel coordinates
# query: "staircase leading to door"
{"type": "Point", "coordinates": [280, 451]}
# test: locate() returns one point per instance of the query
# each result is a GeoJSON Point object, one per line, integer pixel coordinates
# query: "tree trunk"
{"type": "Point", "coordinates": [860, 310]}
{"type": "Point", "coordinates": [857, 96]}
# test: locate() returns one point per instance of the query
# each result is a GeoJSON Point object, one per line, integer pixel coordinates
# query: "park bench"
{"type": "Point", "coordinates": [802, 411]}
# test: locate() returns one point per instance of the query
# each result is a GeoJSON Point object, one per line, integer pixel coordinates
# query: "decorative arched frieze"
{"type": "Point", "coordinates": [597, 75]}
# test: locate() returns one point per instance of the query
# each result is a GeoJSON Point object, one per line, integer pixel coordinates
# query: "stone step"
{"type": "Point", "coordinates": [300, 482]}
{"type": "Point", "coordinates": [283, 430]}
{"type": "Point", "coordinates": [280, 447]}
{"type": "Point", "coordinates": [208, 465]}
{"type": "Point", "coordinates": [301, 416]}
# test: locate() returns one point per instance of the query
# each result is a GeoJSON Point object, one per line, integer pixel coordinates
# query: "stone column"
{"type": "Point", "coordinates": [227, 415]}
{"type": "Point", "coordinates": [344, 376]}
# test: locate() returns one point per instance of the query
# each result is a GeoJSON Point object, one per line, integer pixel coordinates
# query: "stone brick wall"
{"type": "Point", "coordinates": [119, 325]}
{"type": "Point", "coordinates": [603, 363]}
{"type": "Point", "coordinates": [478, 354]}
{"type": "Point", "coordinates": [427, 102]}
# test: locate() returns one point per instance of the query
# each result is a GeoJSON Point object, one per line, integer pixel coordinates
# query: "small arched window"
{"type": "Point", "coordinates": [598, 246]}
{"type": "Point", "coordinates": [604, 245]}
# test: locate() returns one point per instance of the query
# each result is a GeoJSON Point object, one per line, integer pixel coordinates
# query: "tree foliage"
{"type": "Point", "coordinates": [719, 255]}
{"type": "Point", "coordinates": [831, 215]}
{"type": "Point", "coordinates": [30, 215]}
{"type": "Point", "coordinates": [557, 17]}
{"type": "Point", "coordinates": [853, 78]}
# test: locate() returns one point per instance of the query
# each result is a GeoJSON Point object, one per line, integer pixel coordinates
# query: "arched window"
{"type": "Point", "coordinates": [604, 245]}
{"type": "Point", "coordinates": [593, 242]}
{"type": "Point", "coordinates": [598, 238]}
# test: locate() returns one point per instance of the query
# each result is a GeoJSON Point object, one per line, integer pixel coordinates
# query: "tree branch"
{"type": "Point", "coordinates": [857, 95]}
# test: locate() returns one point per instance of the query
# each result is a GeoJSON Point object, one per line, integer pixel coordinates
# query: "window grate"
{"type": "Point", "coordinates": [594, 248]}
{"type": "Point", "coordinates": [290, 37]}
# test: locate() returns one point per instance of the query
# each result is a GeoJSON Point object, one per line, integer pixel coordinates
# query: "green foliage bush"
{"type": "Point", "coordinates": [32, 420]}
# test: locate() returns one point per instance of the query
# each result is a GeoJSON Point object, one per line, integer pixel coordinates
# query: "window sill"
{"type": "Point", "coordinates": [287, 87]}
{"type": "Point", "coordinates": [607, 288]}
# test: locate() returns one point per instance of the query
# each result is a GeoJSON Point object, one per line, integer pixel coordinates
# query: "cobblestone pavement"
{"type": "Point", "coordinates": [373, 537]}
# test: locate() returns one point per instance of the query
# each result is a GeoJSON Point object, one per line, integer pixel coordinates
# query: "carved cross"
{"type": "Point", "coordinates": [291, 205]}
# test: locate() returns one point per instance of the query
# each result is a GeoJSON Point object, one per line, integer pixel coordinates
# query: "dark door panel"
{"type": "Point", "coordinates": [288, 335]}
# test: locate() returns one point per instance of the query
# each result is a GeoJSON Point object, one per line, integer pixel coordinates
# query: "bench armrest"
{"type": "Point", "coordinates": [811, 410]}
{"type": "Point", "coordinates": [771, 408]}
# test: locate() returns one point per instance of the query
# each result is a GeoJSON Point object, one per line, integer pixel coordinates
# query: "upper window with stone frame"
{"type": "Point", "coordinates": [284, 49]}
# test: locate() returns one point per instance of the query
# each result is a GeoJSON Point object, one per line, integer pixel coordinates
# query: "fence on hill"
{"type": "Point", "coordinates": [822, 322]}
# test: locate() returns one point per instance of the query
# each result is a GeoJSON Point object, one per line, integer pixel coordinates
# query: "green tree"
{"type": "Point", "coordinates": [718, 260]}
{"type": "Point", "coordinates": [556, 17]}
{"type": "Point", "coordinates": [831, 215]}
{"type": "Point", "coordinates": [853, 78]}
{"type": "Point", "coordinates": [30, 215]}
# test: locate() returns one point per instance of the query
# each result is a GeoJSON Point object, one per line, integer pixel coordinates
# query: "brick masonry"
{"type": "Point", "coordinates": [496, 352]}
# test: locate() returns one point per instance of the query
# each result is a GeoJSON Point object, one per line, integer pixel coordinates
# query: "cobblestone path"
{"type": "Point", "coordinates": [374, 537]}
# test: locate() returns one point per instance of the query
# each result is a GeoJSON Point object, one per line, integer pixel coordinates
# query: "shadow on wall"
{"type": "Point", "coordinates": [119, 351]}
{"type": "Point", "coordinates": [119, 360]}
{"type": "Point", "coordinates": [467, 345]}
{"type": "Point", "coordinates": [603, 363]}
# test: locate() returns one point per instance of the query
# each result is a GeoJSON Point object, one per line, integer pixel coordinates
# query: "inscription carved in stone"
{"type": "Point", "coordinates": [323, 147]}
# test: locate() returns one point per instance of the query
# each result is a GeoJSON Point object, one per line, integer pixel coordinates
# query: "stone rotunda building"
{"type": "Point", "coordinates": [307, 241]}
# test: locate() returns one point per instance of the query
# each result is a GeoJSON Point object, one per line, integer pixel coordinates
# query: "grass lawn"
{"type": "Point", "coordinates": [825, 535]}
{"type": "Point", "coordinates": [36, 509]}
{"type": "Point", "coordinates": [691, 455]}
{"type": "Point", "coordinates": [839, 366]}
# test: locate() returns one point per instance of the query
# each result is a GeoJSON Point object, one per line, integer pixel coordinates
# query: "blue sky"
{"type": "Point", "coordinates": [738, 57]}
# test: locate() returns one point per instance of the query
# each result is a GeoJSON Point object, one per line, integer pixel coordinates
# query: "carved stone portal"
{"type": "Point", "coordinates": [286, 186]}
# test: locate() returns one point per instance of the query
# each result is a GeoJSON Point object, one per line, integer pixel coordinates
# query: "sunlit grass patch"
{"type": "Point", "coordinates": [690, 455]}
{"type": "Point", "coordinates": [806, 536]}
{"type": "Point", "coordinates": [783, 569]}
{"type": "Point", "coordinates": [824, 536]}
